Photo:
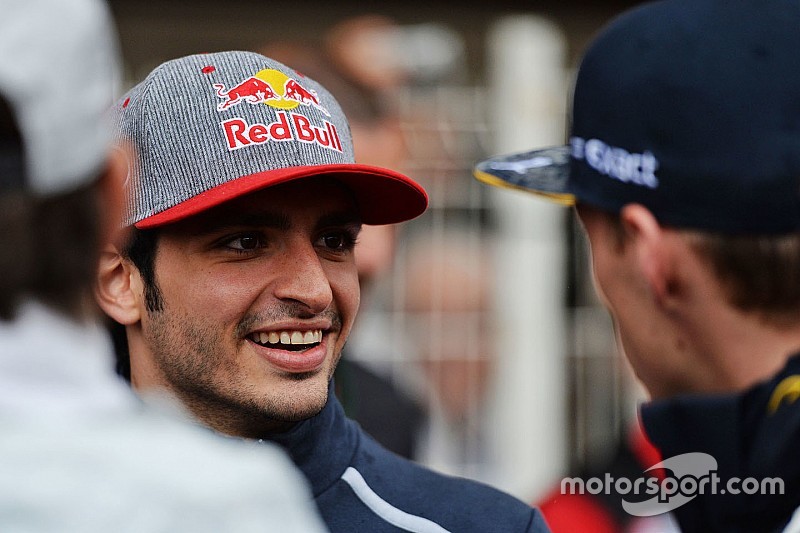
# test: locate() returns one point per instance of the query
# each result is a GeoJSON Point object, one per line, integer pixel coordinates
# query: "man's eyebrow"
{"type": "Point", "coordinates": [343, 218]}
{"type": "Point", "coordinates": [277, 220]}
{"type": "Point", "coordinates": [268, 219]}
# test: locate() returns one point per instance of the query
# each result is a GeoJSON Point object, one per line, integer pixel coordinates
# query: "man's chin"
{"type": "Point", "coordinates": [298, 407]}
{"type": "Point", "coordinates": [304, 413]}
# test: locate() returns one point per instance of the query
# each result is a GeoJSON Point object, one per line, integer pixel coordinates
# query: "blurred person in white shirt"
{"type": "Point", "coordinates": [79, 451]}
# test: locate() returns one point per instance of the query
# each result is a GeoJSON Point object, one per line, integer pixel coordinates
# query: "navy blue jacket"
{"type": "Point", "coordinates": [361, 487]}
{"type": "Point", "coordinates": [752, 434]}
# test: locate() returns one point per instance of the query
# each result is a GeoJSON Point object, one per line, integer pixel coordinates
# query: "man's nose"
{"type": "Point", "coordinates": [303, 278]}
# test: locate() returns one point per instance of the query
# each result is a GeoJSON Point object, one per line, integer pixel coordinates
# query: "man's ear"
{"type": "Point", "coordinates": [118, 290]}
{"type": "Point", "coordinates": [647, 237]}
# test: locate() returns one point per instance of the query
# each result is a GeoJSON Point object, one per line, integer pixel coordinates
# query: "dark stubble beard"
{"type": "Point", "coordinates": [191, 356]}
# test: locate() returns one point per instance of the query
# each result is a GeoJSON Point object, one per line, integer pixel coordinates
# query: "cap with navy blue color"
{"type": "Point", "coordinates": [688, 107]}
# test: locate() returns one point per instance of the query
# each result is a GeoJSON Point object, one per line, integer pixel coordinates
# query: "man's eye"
{"type": "Point", "coordinates": [338, 241]}
{"type": "Point", "coordinates": [245, 242]}
{"type": "Point", "coordinates": [334, 242]}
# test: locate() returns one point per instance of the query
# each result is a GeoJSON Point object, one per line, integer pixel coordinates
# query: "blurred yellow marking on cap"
{"type": "Point", "coordinates": [490, 179]}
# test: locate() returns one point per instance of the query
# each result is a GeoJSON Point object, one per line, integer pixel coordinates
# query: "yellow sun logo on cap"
{"type": "Point", "coordinates": [277, 80]}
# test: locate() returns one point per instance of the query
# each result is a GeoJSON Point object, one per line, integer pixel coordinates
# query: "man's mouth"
{"type": "Point", "coordinates": [291, 340]}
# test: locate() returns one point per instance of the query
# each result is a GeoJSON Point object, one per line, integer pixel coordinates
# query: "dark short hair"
{"type": "Point", "coordinates": [140, 249]}
{"type": "Point", "coordinates": [50, 244]}
{"type": "Point", "coordinates": [758, 273]}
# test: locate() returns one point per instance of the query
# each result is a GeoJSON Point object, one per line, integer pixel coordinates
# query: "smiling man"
{"type": "Point", "coordinates": [249, 345]}
{"type": "Point", "coordinates": [238, 286]}
{"type": "Point", "coordinates": [78, 450]}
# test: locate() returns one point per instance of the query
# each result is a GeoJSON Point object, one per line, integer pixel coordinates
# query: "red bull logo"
{"type": "Point", "coordinates": [275, 89]}
{"type": "Point", "coordinates": [271, 87]}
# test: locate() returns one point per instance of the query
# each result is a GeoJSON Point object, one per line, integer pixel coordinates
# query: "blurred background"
{"type": "Point", "coordinates": [480, 349]}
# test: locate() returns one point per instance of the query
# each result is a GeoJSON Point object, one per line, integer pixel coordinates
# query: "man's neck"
{"type": "Point", "coordinates": [740, 348]}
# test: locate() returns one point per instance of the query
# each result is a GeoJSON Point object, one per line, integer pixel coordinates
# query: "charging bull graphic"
{"type": "Point", "coordinates": [294, 91]}
{"type": "Point", "coordinates": [252, 90]}
{"type": "Point", "coordinates": [261, 88]}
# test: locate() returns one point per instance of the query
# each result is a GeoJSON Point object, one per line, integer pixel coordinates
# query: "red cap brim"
{"type": "Point", "coordinates": [383, 196]}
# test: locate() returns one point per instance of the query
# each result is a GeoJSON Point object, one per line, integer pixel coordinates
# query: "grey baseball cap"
{"type": "Point", "coordinates": [59, 70]}
{"type": "Point", "coordinates": [208, 128]}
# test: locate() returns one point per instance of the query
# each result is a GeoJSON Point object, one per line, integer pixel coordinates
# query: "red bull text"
{"type": "Point", "coordinates": [288, 126]}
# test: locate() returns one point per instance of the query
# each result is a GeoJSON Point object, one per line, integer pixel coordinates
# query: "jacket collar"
{"type": "Point", "coordinates": [323, 445]}
{"type": "Point", "coordinates": [750, 434]}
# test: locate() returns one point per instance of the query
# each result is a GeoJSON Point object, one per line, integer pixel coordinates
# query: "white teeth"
{"type": "Point", "coordinates": [288, 337]}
